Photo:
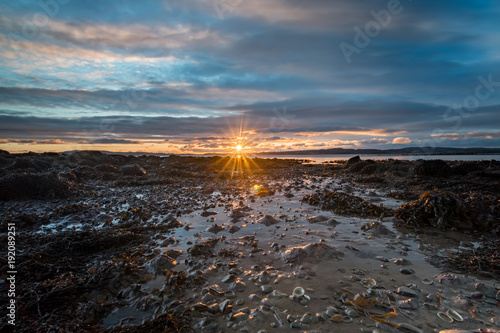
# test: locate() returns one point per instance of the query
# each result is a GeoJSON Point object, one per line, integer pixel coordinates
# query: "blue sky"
{"type": "Point", "coordinates": [207, 75]}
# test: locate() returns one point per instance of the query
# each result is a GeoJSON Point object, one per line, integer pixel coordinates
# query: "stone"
{"type": "Point", "coordinates": [409, 304]}
{"type": "Point", "coordinates": [407, 271]}
{"type": "Point", "coordinates": [133, 170]}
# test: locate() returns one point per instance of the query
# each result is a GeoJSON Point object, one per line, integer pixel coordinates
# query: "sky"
{"type": "Point", "coordinates": [205, 76]}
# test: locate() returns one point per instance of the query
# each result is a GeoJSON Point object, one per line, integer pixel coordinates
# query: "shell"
{"type": "Point", "coordinates": [346, 319]}
{"type": "Point", "coordinates": [444, 317]}
{"type": "Point", "coordinates": [298, 292]}
{"type": "Point", "coordinates": [454, 315]}
{"type": "Point", "coordinates": [368, 282]}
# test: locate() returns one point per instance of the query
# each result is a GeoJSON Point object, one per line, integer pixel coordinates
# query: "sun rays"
{"type": "Point", "coordinates": [238, 159]}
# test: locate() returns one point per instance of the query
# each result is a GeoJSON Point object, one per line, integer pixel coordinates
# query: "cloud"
{"type": "Point", "coordinates": [469, 135]}
{"type": "Point", "coordinates": [114, 141]}
{"type": "Point", "coordinates": [401, 140]}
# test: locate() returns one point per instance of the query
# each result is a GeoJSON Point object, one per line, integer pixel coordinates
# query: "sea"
{"type": "Point", "coordinates": [332, 158]}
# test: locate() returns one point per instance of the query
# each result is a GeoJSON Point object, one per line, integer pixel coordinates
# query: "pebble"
{"type": "Point", "coordinates": [239, 301]}
{"type": "Point", "coordinates": [266, 289]}
{"type": "Point", "coordinates": [306, 319]}
{"type": "Point", "coordinates": [267, 302]}
{"type": "Point", "coordinates": [407, 271]}
{"type": "Point", "coordinates": [407, 292]}
{"type": "Point", "coordinates": [409, 304]}
{"type": "Point", "coordinates": [295, 324]}
{"type": "Point", "coordinates": [402, 262]}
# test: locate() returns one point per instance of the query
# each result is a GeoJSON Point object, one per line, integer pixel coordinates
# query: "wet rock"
{"type": "Point", "coordinates": [407, 292]}
{"type": "Point", "coordinates": [268, 220]}
{"type": "Point", "coordinates": [267, 302]}
{"type": "Point", "coordinates": [30, 186]}
{"type": "Point", "coordinates": [160, 263]}
{"type": "Point", "coordinates": [207, 213]}
{"type": "Point", "coordinates": [264, 277]}
{"type": "Point", "coordinates": [317, 219]}
{"type": "Point", "coordinates": [407, 271]}
{"type": "Point", "coordinates": [409, 304]}
{"type": "Point", "coordinates": [306, 319]}
{"type": "Point", "coordinates": [266, 289]}
{"type": "Point", "coordinates": [171, 222]}
{"type": "Point", "coordinates": [295, 324]}
{"type": "Point", "coordinates": [215, 228]}
{"type": "Point", "coordinates": [228, 278]}
{"type": "Point", "coordinates": [402, 262]}
{"type": "Point", "coordinates": [449, 279]}
{"type": "Point", "coordinates": [238, 285]}
{"type": "Point", "coordinates": [312, 251]}
{"type": "Point", "coordinates": [133, 170]}
{"type": "Point", "coordinates": [232, 229]}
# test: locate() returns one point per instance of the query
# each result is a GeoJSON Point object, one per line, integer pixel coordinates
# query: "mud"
{"type": "Point", "coordinates": [192, 244]}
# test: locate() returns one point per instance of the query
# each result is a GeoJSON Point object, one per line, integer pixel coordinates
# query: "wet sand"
{"type": "Point", "coordinates": [192, 246]}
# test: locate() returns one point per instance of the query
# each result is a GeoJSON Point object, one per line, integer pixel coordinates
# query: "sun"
{"type": "Point", "coordinates": [238, 148]}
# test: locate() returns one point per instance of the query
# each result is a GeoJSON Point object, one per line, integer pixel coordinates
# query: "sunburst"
{"type": "Point", "coordinates": [238, 159]}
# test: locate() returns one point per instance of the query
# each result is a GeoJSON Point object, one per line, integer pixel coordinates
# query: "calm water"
{"type": "Point", "coordinates": [328, 158]}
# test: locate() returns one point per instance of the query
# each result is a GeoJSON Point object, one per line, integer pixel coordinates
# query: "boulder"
{"type": "Point", "coordinates": [29, 187]}
{"type": "Point", "coordinates": [433, 168]}
{"type": "Point", "coordinates": [353, 160]}
{"type": "Point", "coordinates": [133, 170]}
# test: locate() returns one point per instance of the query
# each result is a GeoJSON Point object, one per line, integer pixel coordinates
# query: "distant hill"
{"type": "Point", "coordinates": [399, 151]}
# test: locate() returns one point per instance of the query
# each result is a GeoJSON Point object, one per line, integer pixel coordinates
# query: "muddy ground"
{"type": "Point", "coordinates": [112, 243]}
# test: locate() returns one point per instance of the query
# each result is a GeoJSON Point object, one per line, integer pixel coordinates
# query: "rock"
{"type": "Point", "coordinates": [25, 164]}
{"type": "Point", "coordinates": [312, 251]}
{"type": "Point", "coordinates": [268, 220]}
{"type": "Point", "coordinates": [267, 302]}
{"type": "Point", "coordinates": [407, 292]}
{"type": "Point", "coordinates": [33, 187]}
{"type": "Point", "coordinates": [207, 213]}
{"type": "Point", "coordinates": [295, 324]}
{"type": "Point", "coordinates": [317, 219]}
{"type": "Point", "coordinates": [306, 319]}
{"type": "Point", "coordinates": [409, 304]}
{"type": "Point", "coordinates": [266, 289]}
{"type": "Point", "coordinates": [449, 279]}
{"type": "Point", "coordinates": [160, 263]}
{"type": "Point", "coordinates": [433, 168]}
{"type": "Point", "coordinates": [107, 168]}
{"type": "Point", "coordinates": [215, 228]}
{"type": "Point", "coordinates": [133, 170]}
{"type": "Point", "coordinates": [240, 316]}
{"type": "Point", "coordinates": [407, 271]}
{"type": "Point", "coordinates": [402, 262]}
{"type": "Point", "coordinates": [238, 285]}
{"type": "Point", "coordinates": [353, 160]}
{"type": "Point", "coordinates": [232, 229]}
{"type": "Point", "coordinates": [228, 278]}
{"type": "Point", "coordinates": [171, 222]}
{"type": "Point", "coordinates": [263, 277]}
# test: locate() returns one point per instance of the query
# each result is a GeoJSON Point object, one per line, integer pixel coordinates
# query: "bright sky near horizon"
{"type": "Point", "coordinates": [203, 76]}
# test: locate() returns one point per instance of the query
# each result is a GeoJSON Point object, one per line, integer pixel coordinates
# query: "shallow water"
{"type": "Point", "coordinates": [329, 278]}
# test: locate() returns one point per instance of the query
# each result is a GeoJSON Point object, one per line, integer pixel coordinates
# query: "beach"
{"type": "Point", "coordinates": [116, 243]}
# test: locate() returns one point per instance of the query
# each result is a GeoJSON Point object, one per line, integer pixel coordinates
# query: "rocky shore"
{"type": "Point", "coordinates": [115, 243]}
